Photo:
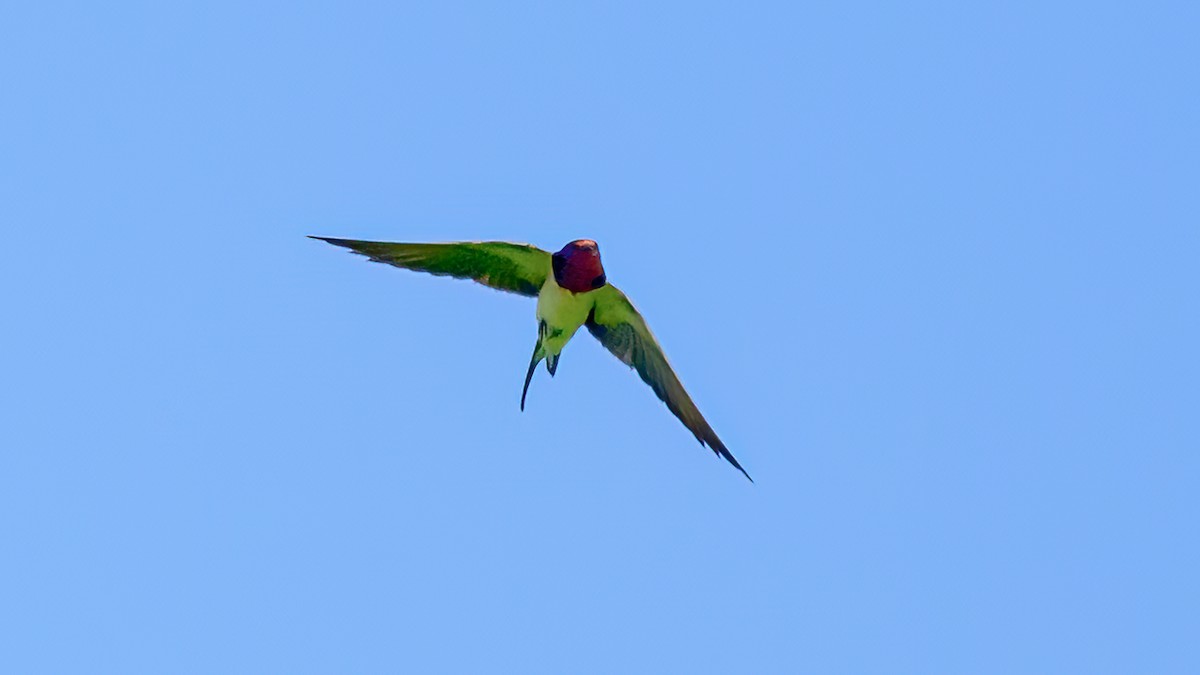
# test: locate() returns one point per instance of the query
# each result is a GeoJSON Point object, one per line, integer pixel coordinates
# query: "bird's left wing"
{"type": "Point", "coordinates": [622, 330]}
{"type": "Point", "coordinates": [516, 268]}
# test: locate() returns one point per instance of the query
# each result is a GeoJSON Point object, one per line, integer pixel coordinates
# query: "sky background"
{"type": "Point", "coordinates": [929, 269]}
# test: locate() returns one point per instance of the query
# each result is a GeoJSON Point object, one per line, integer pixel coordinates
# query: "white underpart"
{"type": "Point", "coordinates": [563, 312]}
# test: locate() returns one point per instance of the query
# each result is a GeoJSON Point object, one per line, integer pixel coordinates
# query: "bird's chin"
{"type": "Point", "coordinates": [577, 285]}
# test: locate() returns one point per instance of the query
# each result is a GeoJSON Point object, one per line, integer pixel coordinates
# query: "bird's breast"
{"type": "Point", "coordinates": [563, 312]}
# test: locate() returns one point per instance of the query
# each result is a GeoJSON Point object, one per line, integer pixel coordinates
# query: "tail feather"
{"type": "Point", "coordinates": [533, 362]}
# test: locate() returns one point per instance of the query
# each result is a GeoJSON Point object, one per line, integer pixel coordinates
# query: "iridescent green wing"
{"type": "Point", "coordinates": [623, 331]}
{"type": "Point", "coordinates": [516, 268]}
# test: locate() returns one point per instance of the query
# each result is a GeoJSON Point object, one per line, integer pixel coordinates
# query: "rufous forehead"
{"type": "Point", "coordinates": [584, 243]}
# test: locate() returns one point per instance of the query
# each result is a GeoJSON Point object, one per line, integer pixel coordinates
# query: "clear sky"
{"type": "Point", "coordinates": [929, 269]}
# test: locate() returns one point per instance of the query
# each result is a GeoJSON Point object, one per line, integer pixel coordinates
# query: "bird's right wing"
{"type": "Point", "coordinates": [516, 268]}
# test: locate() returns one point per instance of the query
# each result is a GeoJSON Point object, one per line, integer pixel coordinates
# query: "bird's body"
{"type": "Point", "coordinates": [560, 313]}
{"type": "Point", "coordinates": [572, 290]}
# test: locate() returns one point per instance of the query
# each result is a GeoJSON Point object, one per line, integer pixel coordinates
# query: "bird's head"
{"type": "Point", "coordinates": [577, 266]}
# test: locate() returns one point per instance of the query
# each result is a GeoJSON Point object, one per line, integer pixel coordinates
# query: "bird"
{"type": "Point", "coordinates": [572, 291]}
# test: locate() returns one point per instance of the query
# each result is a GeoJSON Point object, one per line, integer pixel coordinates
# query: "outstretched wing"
{"type": "Point", "coordinates": [623, 331]}
{"type": "Point", "coordinates": [516, 268]}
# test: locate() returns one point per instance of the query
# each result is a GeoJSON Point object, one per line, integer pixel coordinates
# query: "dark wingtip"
{"type": "Point", "coordinates": [329, 240]}
{"type": "Point", "coordinates": [734, 462]}
{"type": "Point", "coordinates": [353, 245]}
{"type": "Point", "coordinates": [720, 450]}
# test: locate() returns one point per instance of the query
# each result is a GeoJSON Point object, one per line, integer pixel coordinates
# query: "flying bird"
{"type": "Point", "coordinates": [572, 291]}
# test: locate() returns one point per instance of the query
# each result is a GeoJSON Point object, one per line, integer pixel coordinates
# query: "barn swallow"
{"type": "Point", "coordinates": [572, 291]}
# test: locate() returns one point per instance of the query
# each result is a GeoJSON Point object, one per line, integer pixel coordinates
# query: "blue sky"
{"type": "Point", "coordinates": [929, 269]}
